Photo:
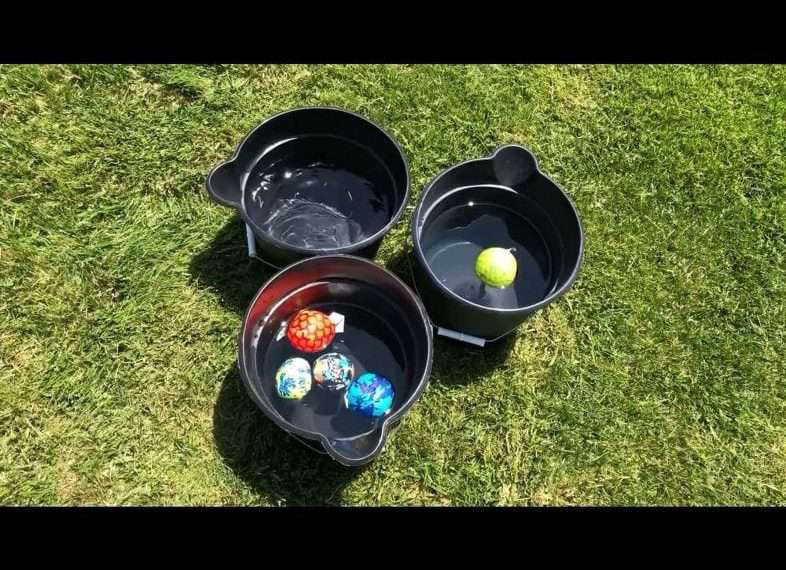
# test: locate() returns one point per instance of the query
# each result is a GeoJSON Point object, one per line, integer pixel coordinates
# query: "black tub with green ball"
{"type": "Point", "coordinates": [501, 201]}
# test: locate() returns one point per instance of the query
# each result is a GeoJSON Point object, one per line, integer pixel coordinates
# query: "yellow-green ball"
{"type": "Point", "coordinates": [496, 266]}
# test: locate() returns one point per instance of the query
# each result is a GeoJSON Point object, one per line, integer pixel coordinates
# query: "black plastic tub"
{"type": "Point", "coordinates": [503, 200]}
{"type": "Point", "coordinates": [386, 331]}
{"type": "Point", "coordinates": [314, 181]}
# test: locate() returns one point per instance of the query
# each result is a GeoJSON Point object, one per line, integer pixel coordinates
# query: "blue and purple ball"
{"type": "Point", "coordinates": [370, 395]}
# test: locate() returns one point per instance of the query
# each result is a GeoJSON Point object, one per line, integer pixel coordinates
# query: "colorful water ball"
{"type": "Point", "coordinates": [370, 395]}
{"type": "Point", "coordinates": [333, 371]}
{"type": "Point", "coordinates": [310, 331]}
{"type": "Point", "coordinates": [293, 378]}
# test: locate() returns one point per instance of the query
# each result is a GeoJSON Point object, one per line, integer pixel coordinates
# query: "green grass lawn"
{"type": "Point", "coordinates": [659, 379]}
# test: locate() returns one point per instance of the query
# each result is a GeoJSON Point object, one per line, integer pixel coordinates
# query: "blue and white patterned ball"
{"type": "Point", "coordinates": [370, 395]}
{"type": "Point", "coordinates": [293, 378]}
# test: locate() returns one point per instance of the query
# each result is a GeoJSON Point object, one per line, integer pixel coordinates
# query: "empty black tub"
{"type": "Point", "coordinates": [503, 200]}
{"type": "Point", "coordinates": [314, 181]}
{"type": "Point", "coordinates": [386, 331]}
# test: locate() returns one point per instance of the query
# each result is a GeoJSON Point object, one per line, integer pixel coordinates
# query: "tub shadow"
{"type": "Point", "coordinates": [225, 268]}
{"type": "Point", "coordinates": [267, 459]}
{"type": "Point", "coordinates": [455, 363]}
{"type": "Point", "coordinates": [459, 364]}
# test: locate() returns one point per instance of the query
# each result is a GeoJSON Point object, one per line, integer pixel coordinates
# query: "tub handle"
{"type": "Point", "coordinates": [477, 341]}
{"type": "Point", "coordinates": [251, 245]}
{"type": "Point", "coordinates": [223, 184]}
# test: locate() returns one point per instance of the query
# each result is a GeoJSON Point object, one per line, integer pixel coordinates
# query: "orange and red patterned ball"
{"type": "Point", "coordinates": [311, 331]}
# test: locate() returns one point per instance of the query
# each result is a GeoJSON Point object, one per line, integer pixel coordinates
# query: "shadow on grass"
{"type": "Point", "coordinates": [267, 459]}
{"type": "Point", "coordinates": [225, 267]}
{"type": "Point", "coordinates": [271, 462]}
{"type": "Point", "coordinates": [459, 364]}
{"type": "Point", "coordinates": [455, 363]}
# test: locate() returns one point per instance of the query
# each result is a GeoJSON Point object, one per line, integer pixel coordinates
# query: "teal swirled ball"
{"type": "Point", "coordinates": [370, 395]}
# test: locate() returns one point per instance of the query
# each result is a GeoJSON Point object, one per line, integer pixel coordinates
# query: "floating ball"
{"type": "Point", "coordinates": [310, 331]}
{"type": "Point", "coordinates": [496, 267]}
{"type": "Point", "coordinates": [370, 395]}
{"type": "Point", "coordinates": [333, 371]}
{"type": "Point", "coordinates": [293, 378]}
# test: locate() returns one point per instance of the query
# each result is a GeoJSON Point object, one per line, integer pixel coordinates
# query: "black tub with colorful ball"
{"type": "Point", "coordinates": [381, 332]}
